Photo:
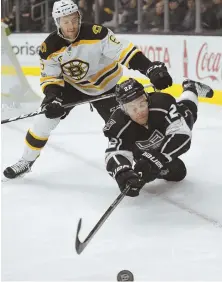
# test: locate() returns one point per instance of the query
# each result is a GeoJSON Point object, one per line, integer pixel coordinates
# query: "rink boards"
{"type": "Point", "coordinates": [196, 57]}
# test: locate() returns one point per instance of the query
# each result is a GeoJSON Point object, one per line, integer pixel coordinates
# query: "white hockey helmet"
{"type": "Point", "coordinates": [63, 8]}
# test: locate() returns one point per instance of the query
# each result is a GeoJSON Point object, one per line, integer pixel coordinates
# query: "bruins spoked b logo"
{"type": "Point", "coordinates": [76, 69]}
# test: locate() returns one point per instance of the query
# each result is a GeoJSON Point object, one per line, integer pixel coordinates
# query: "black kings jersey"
{"type": "Point", "coordinates": [166, 131]}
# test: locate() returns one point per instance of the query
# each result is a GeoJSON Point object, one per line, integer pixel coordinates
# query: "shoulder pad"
{"type": "Point", "coordinates": [52, 44]}
{"type": "Point", "coordinates": [161, 100]}
{"type": "Point", "coordinates": [92, 32]}
{"type": "Point", "coordinates": [115, 123]}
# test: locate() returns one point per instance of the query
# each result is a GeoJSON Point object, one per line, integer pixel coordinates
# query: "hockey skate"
{"type": "Point", "coordinates": [18, 170]}
{"type": "Point", "coordinates": [200, 89]}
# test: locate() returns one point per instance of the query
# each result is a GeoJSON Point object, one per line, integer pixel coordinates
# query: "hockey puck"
{"type": "Point", "coordinates": [125, 275]}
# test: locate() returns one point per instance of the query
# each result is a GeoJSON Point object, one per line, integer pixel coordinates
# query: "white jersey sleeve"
{"type": "Point", "coordinates": [118, 50]}
{"type": "Point", "coordinates": [50, 73]}
{"type": "Point", "coordinates": [50, 53]}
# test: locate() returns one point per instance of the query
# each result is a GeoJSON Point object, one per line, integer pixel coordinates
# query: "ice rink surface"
{"type": "Point", "coordinates": [170, 232]}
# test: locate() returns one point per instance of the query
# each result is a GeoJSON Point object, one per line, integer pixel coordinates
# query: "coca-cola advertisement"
{"type": "Point", "coordinates": [203, 61]}
{"type": "Point", "coordinates": [195, 57]}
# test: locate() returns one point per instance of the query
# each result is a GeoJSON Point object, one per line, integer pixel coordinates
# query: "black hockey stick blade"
{"type": "Point", "coordinates": [79, 245]}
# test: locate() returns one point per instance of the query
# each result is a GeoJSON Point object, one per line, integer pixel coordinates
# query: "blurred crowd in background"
{"type": "Point", "coordinates": [34, 14]}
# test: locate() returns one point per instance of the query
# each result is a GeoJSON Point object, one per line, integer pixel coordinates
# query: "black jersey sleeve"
{"type": "Point", "coordinates": [118, 153]}
{"type": "Point", "coordinates": [177, 133]}
{"type": "Point", "coordinates": [139, 62]}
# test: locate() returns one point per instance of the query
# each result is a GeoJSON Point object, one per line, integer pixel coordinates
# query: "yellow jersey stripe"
{"type": "Point", "coordinates": [56, 53]}
{"type": "Point", "coordinates": [61, 83]}
{"type": "Point", "coordinates": [30, 146]}
{"type": "Point", "coordinates": [102, 72]}
{"type": "Point", "coordinates": [130, 57]}
{"type": "Point", "coordinates": [52, 80]}
{"type": "Point", "coordinates": [109, 78]}
{"type": "Point", "coordinates": [42, 79]}
{"type": "Point", "coordinates": [104, 83]}
{"type": "Point", "coordinates": [81, 42]}
{"type": "Point", "coordinates": [125, 52]}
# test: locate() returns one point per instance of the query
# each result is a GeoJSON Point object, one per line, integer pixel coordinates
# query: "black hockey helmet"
{"type": "Point", "coordinates": [128, 91]}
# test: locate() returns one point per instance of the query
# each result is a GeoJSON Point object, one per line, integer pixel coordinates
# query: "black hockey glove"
{"type": "Point", "coordinates": [150, 165]}
{"type": "Point", "coordinates": [127, 176]}
{"type": "Point", "coordinates": [54, 109]}
{"type": "Point", "coordinates": [159, 76]}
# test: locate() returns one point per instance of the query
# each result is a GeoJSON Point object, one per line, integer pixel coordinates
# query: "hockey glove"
{"type": "Point", "coordinates": [150, 165]}
{"type": "Point", "coordinates": [54, 109]}
{"type": "Point", "coordinates": [159, 76]}
{"type": "Point", "coordinates": [126, 177]}
{"type": "Point", "coordinates": [173, 171]}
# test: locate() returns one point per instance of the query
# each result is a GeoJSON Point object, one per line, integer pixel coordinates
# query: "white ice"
{"type": "Point", "coordinates": [170, 232]}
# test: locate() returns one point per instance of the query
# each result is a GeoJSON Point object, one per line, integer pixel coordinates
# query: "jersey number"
{"type": "Point", "coordinates": [126, 88]}
{"type": "Point", "coordinates": [173, 111]}
{"type": "Point", "coordinates": [113, 143]}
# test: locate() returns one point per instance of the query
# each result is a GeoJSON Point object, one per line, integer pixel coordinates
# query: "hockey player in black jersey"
{"type": "Point", "coordinates": [149, 132]}
{"type": "Point", "coordinates": [79, 60]}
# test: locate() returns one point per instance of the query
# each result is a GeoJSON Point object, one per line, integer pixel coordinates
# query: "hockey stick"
{"type": "Point", "coordinates": [39, 112]}
{"type": "Point", "coordinates": [80, 246]}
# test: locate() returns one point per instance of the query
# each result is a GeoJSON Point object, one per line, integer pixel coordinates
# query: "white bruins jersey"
{"type": "Point", "coordinates": [92, 63]}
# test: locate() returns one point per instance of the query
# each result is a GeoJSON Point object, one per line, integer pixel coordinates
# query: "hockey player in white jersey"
{"type": "Point", "coordinates": [77, 61]}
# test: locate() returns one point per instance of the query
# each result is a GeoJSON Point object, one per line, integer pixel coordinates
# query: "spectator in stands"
{"type": "Point", "coordinates": [188, 22]}
{"type": "Point", "coordinates": [148, 4]}
{"type": "Point", "coordinates": [106, 11]}
{"type": "Point", "coordinates": [90, 8]}
{"type": "Point", "coordinates": [85, 7]}
{"type": "Point", "coordinates": [153, 19]}
{"type": "Point", "coordinates": [129, 16]}
{"type": "Point", "coordinates": [28, 22]}
{"type": "Point", "coordinates": [208, 16]}
{"type": "Point", "coordinates": [182, 14]}
{"type": "Point", "coordinates": [25, 16]}
{"type": "Point", "coordinates": [36, 20]}
{"type": "Point", "coordinates": [177, 13]}
{"type": "Point", "coordinates": [217, 10]}
{"type": "Point", "coordinates": [148, 9]}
